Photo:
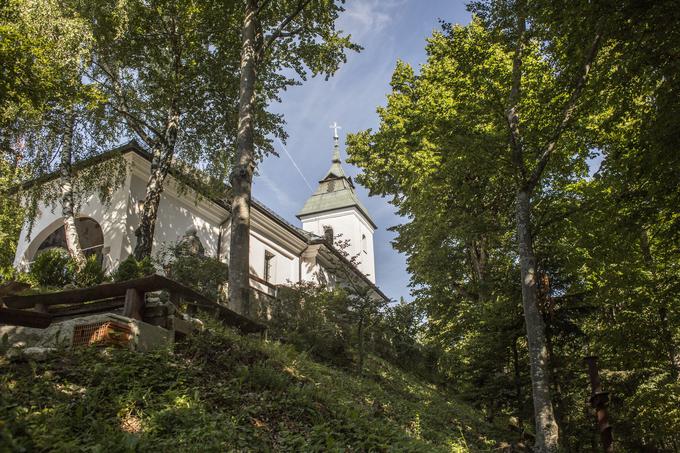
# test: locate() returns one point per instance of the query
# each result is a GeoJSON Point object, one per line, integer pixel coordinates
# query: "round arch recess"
{"type": "Point", "coordinates": [90, 235]}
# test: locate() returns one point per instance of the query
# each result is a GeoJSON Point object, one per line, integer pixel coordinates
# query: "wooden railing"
{"type": "Point", "coordinates": [38, 310]}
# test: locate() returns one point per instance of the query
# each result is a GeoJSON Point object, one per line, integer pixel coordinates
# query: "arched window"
{"type": "Point", "coordinates": [364, 245]}
{"type": "Point", "coordinates": [89, 233]}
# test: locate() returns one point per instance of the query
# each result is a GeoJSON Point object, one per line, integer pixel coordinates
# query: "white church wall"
{"type": "Point", "coordinates": [110, 217]}
{"type": "Point", "coordinates": [285, 267]}
{"type": "Point", "coordinates": [177, 214]}
{"type": "Point", "coordinates": [353, 226]}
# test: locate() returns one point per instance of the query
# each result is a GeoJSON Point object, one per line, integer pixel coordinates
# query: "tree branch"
{"type": "Point", "coordinates": [567, 112]}
{"type": "Point", "coordinates": [262, 6]}
{"type": "Point", "coordinates": [289, 34]}
{"type": "Point", "coordinates": [460, 289]}
{"type": "Point", "coordinates": [511, 115]}
{"type": "Point", "coordinates": [135, 123]}
{"type": "Point", "coordinates": [282, 26]}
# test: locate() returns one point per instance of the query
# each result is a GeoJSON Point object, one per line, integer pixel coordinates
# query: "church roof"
{"type": "Point", "coordinates": [335, 191]}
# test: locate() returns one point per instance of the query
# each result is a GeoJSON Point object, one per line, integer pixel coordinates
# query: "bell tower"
{"type": "Point", "coordinates": [334, 209]}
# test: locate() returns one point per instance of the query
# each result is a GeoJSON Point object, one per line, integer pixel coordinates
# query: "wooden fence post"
{"type": "Point", "coordinates": [134, 304]}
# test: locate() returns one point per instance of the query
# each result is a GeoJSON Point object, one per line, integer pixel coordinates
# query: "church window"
{"type": "Point", "coordinates": [364, 246]}
{"type": "Point", "coordinates": [268, 266]}
{"type": "Point", "coordinates": [330, 186]}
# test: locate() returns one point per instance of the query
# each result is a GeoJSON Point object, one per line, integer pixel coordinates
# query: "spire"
{"type": "Point", "coordinates": [336, 142]}
{"type": "Point", "coordinates": [336, 168]}
{"type": "Point", "coordinates": [335, 190]}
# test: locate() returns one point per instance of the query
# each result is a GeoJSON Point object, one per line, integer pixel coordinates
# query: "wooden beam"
{"type": "Point", "coordinates": [89, 308]}
{"type": "Point", "coordinates": [24, 318]}
{"type": "Point", "coordinates": [133, 291]}
{"type": "Point", "coordinates": [104, 291]}
{"type": "Point", "coordinates": [134, 304]}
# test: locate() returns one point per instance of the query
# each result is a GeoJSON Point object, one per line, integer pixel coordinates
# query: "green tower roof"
{"type": "Point", "coordinates": [335, 191]}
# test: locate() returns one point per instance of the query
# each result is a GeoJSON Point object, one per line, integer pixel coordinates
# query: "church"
{"type": "Point", "coordinates": [281, 253]}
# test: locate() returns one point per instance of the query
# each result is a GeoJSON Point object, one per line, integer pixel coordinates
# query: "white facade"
{"type": "Point", "coordinates": [280, 253]}
{"type": "Point", "coordinates": [347, 224]}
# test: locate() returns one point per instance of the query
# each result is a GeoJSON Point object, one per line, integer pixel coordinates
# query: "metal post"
{"type": "Point", "coordinates": [599, 400]}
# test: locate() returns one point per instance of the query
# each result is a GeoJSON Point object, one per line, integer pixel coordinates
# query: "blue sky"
{"type": "Point", "coordinates": [388, 30]}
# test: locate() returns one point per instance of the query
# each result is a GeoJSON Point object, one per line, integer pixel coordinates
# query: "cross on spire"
{"type": "Point", "coordinates": [336, 140]}
{"type": "Point", "coordinates": [335, 128]}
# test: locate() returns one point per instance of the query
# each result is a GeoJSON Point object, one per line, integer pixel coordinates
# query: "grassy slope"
{"type": "Point", "coordinates": [220, 391]}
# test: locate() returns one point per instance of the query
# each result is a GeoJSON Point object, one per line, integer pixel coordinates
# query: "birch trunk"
{"type": "Point", "coordinates": [242, 175]}
{"type": "Point", "coordinates": [67, 199]}
{"type": "Point", "coordinates": [547, 433]}
{"type": "Point", "coordinates": [161, 159]}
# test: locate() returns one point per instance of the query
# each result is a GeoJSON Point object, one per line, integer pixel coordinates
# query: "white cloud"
{"type": "Point", "coordinates": [282, 197]}
{"type": "Point", "coordinates": [368, 16]}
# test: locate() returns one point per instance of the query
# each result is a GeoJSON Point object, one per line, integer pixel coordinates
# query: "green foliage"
{"type": "Point", "coordinates": [219, 391]}
{"type": "Point", "coordinates": [39, 54]}
{"type": "Point", "coordinates": [311, 318]}
{"type": "Point", "coordinates": [130, 268]}
{"type": "Point", "coordinates": [202, 273]}
{"type": "Point", "coordinates": [91, 274]}
{"type": "Point", "coordinates": [605, 241]}
{"type": "Point", "coordinates": [184, 59]}
{"type": "Point", "coordinates": [53, 268]}
{"type": "Point", "coordinates": [11, 214]}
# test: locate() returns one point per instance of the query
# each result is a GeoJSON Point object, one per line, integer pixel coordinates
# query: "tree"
{"type": "Point", "coordinates": [168, 71]}
{"type": "Point", "coordinates": [363, 306]}
{"type": "Point", "coordinates": [48, 47]}
{"type": "Point", "coordinates": [297, 35]}
{"type": "Point", "coordinates": [67, 201]}
{"type": "Point", "coordinates": [493, 108]}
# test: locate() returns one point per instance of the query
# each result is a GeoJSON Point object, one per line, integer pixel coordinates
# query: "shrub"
{"type": "Point", "coordinates": [130, 268]}
{"type": "Point", "coordinates": [53, 268]}
{"type": "Point", "coordinates": [314, 320]}
{"type": "Point", "coordinates": [204, 274]}
{"type": "Point", "coordinates": [91, 274]}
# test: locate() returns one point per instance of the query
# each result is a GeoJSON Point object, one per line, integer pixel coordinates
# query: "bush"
{"type": "Point", "coordinates": [204, 274]}
{"type": "Point", "coordinates": [53, 268]}
{"type": "Point", "coordinates": [91, 274]}
{"type": "Point", "coordinates": [130, 268]}
{"type": "Point", "coordinates": [314, 320]}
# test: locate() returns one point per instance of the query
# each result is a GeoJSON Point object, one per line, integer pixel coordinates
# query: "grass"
{"type": "Point", "coordinates": [219, 391]}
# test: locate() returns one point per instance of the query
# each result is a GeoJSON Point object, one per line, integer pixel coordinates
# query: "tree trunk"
{"type": "Point", "coordinates": [518, 383]}
{"type": "Point", "coordinates": [242, 174]}
{"type": "Point", "coordinates": [67, 200]}
{"type": "Point", "coordinates": [547, 435]}
{"type": "Point", "coordinates": [160, 166]}
{"type": "Point", "coordinates": [360, 333]}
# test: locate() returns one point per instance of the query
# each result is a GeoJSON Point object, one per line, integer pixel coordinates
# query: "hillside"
{"type": "Point", "coordinates": [220, 391]}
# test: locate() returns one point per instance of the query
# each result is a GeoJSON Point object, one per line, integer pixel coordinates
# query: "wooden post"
{"type": "Point", "coordinates": [134, 304]}
{"type": "Point", "coordinates": [599, 400]}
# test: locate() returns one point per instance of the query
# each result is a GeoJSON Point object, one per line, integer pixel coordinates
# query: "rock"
{"type": "Point", "coordinates": [197, 323]}
{"type": "Point", "coordinates": [35, 353]}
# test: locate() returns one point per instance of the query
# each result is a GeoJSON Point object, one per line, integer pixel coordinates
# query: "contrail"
{"type": "Point", "coordinates": [295, 165]}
